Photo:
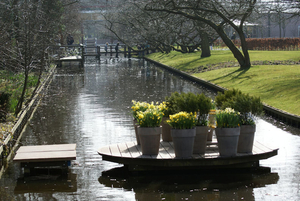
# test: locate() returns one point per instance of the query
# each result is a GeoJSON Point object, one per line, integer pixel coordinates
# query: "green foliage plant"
{"type": "Point", "coordinates": [204, 105]}
{"type": "Point", "coordinates": [187, 102]}
{"type": "Point", "coordinates": [227, 118]}
{"type": "Point", "coordinates": [228, 95]}
{"type": "Point", "coordinates": [151, 117]}
{"type": "Point", "coordinates": [172, 105]}
{"type": "Point", "coordinates": [190, 102]}
{"type": "Point", "coordinates": [247, 105]}
{"type": "Point", "coordinates": [183, 120]}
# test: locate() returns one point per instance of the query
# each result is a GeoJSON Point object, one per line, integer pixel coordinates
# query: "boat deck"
{"type": "Point", "coordinates": [130, 154]}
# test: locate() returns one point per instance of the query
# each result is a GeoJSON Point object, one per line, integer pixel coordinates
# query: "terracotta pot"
{"type": "Point", "coordinates": [246, 138]}
{"type": "Point", "coordinates": [135, 124]}
{"type": "Point", "coordinates": [210, 134]}
{"type": "Point", "coordinates": [183, 140]}
{"type": "Point", "coordinates": [227, 140]}
{"type": "Point", "coordinates": [200, 139]}
{"type": "Point", "coordinates": [166, 130]}
{"type": "Point", "coordinates": [150, 139]}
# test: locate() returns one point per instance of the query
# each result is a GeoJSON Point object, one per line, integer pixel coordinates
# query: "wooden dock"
{"type": "Point", "coordinates": [71, 59]}
{"type": "Point", "coordinates": [46, 155]}
{"type": "Point", "coordinates": [130, 155]}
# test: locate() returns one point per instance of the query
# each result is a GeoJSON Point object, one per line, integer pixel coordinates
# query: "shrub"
{"type": "Point", "coordinates": [190, 102]}
{"type": "Point", "coordinates": [243, 103]}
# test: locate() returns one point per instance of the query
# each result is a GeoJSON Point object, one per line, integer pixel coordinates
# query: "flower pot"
{"type": "Point", "coordinates": [210, 134]}
{"type": "Point", "coordinates": [200, 139]}
{"type": "Point", "coordinates": [135, 124]}
{"type": "Point", "coordinates": [183, 140]}
{"type": "Point", "coordinates": [227, 140]}
{"type": "Point", "coordinates": [246, 138]}
{"type": "Point", "coordinates": [166, 130]}
{"type": "Point", "coordinates": [149, 139]}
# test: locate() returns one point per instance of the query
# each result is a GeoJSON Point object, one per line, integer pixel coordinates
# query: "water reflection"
{"type": "Point", "coordinates": [220, 185]}
{"type": "Point", "coordinates": [45, 181]}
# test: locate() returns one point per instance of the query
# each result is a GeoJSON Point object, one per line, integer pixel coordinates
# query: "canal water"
{"type": "Point", "coordinates": [90, 106]}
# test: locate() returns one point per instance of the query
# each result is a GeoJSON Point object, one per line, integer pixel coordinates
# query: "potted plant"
{"type": "Point", "coordinates": [149, 129]}
{"type": "Point", "coordinates": [183, 133]}
{"type": "Point", "coordinates": [169, 107]}
{"type": "Point", "coordinates": [199, 103]}
{"type": "Point", "coordinates": [227, 131]}
{"type": "Point", "coordinates": [204, 105]}
{"type": "Point", "coordinates": [135, 108]}
{"type": "Point", "coordinates": [248, 106]}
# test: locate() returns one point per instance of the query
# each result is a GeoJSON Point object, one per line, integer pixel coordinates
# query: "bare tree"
{"type": "Point", "coordinates": [217, 14]}
{"type": "Point", "coordinates": [163, 31]}
{"type": "Point", "coordinates": [28, 28]}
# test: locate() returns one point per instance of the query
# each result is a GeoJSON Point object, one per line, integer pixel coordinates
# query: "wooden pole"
{"type": "Point", "coordinates": [82, 53]}
{"type": "Point", "coordinates": [98, 52]}
{"type": "Point", "coordinates": [129, 52]}
{"type": "Point", "coordinates": [125, 54]}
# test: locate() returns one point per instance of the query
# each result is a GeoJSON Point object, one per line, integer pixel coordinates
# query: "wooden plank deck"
{"type": "Point", "coordinates": [129, 154]}
{"type": "Point", "coordinates": [71, 58]}
{"type": "Point", "coordinates": [46, 153]}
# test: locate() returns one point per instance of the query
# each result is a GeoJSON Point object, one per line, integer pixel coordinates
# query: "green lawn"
{"type": "Point", "coordinates": [277, 85]}
{"type": "Point", "coordinates": [189, 61]}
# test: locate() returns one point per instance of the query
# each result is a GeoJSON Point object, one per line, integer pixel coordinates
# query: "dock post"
{"type": "Point", "coordinates": [129, 52]}
{"type": "Point", "coordinates": [125, 54]}
{"type": "Point", "coordinates": [110, 50]}
{"type": "Point", "coordinates": [82, 54]}
{"type": "Point", "coordinates": [98, 52]}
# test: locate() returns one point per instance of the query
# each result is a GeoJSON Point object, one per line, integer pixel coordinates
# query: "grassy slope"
{"type": "Point", "coordinates": [277, 85]}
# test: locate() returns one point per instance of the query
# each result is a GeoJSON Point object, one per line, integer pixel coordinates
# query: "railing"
{"type": "Point", "coordinates": [98, 50]}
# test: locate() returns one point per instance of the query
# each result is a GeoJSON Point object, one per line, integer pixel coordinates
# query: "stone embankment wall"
{"type": "Point", "coordinates": [11, 140]}
{"type": "Point", "coordinates": [280, 115]}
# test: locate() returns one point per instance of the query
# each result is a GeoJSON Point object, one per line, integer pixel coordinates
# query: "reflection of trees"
{"type": "Point", "coordinates": [57, 112]}
{"type": "Point", "coordinates": [196, 185]}
{"type": "Point", "coordinates": [118, 84]}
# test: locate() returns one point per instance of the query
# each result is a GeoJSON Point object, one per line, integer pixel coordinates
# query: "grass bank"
{"type": "Point", "coordinates": [276, 85]}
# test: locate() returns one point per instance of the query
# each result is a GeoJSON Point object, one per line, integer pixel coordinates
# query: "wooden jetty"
{"type": "Point", "coordinates": [71, 59]}
{"type": "Point", "coordinates": [57, 155]}
{"type": "Point", "coordinates": [94, 50]}
{"type": "Point", "coordinates": [130, 155]}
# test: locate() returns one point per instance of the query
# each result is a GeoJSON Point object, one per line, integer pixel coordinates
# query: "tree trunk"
{"type": "Point", "coordinates": [247, 63]}
{"type": "Point", "coordinates": [21, 99]}
{"type": "Point", "coordinates": [244, 60]}
{"type": "Point", "coordinates": [204, 45]}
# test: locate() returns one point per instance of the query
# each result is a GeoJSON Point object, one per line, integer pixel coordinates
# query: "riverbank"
{"type": "Point", "coordinates": [13, 129]}
{"type": "Point", "coordinates": [275, 84]}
